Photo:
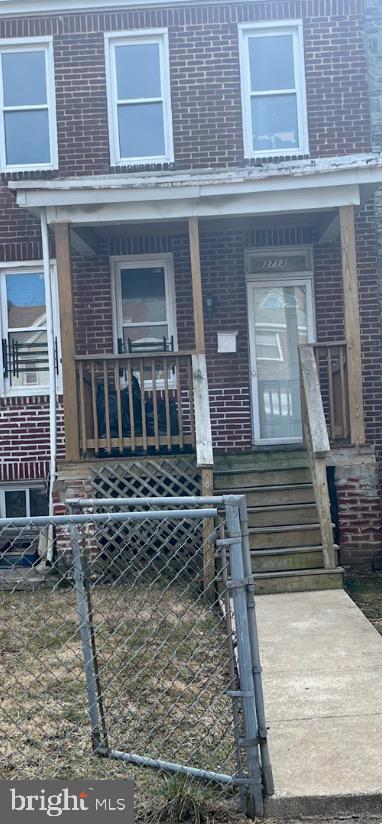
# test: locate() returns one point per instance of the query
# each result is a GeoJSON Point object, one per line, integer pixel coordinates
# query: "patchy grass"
{"type": "Point", "coordinates": [164, 672]}
{"type": "Point", "coordinates": [366, 591]}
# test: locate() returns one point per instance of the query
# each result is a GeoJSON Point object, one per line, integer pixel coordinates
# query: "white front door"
{"type": "Point", "coordinates": [280, 318]}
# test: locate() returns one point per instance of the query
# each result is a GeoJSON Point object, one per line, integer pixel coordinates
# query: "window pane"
{"type": "Point", "coordinates": [146, 334]}
{"type": "Point", "coordinates": [274, 122]}
{"type": "Point", "coordinates": [24, 80]}
{"type": "Point", "coordinates": [26, 300]}
{"type": "Point", "coordinates": [27, 137]}
{"type": "Point", "coordinates": [15, 504]}
{"type": "Point", "coordinates": [271, 62]}
{"type": "Point", "coordinates": [283, 308]}
{"type": "Point", "coordinates": [141, 131]}
{"type": "Point", "coordinates": [138, 71]}
{"type": "Point", "coordinates": [143, 295]}
{"type": "Point", "coordinates": [38, 502]}
{"type": "Point", "coordinates": [28, 359]}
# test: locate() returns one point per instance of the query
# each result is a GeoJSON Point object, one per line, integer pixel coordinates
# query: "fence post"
{"type": "Point", "coordinates": [97, 732]}
{"type": "Point", "coordinates": [255, 653]}
{"type": "Point", "coordinates": [238, 584]}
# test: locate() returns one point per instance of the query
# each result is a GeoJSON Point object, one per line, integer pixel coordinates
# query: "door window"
{"type": "Point", "coordinates": [281, 320]}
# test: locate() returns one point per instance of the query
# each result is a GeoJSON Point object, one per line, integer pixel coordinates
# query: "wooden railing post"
{"type": "Point", "coordinates": [317, 445]}
{"type": "Point", "coordinates": [69, 377]}
{"type": "Point", "coordinates": [204, 452]}
{"type": "Point", "coordinates": [352, 325]}
{"type": "Point", "coordinates": [205, 460]}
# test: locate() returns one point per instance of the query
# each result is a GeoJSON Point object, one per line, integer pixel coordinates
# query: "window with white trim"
{"type": "Point", "coordinates": [28, 110]}
{"type": "Point", "coordinates": [17, 501]}
{"type": "Point", "coordinates": [24, 351]}
{"type": "Point", "coordinates": [268, 346]}
{"type": "Point", "coordinates": [139, 100]}
{"type": "Point", "coordinates": [145, 303]}
{"type": "Point", "coordinates": [273, 90]}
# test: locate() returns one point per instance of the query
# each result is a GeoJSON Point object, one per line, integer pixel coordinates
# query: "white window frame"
{"type": "Point", "coordinates": [273, 28]}
{"type": "Point", "coordinates": [18, 487]}
{"type": "Point", "coordinates": [112, 40]}
{"type": "Point", "coordinates": [31, 44]}
{"type": "Point", "coordinates": [276, 344]}
{"type": "Point", "coordinates": [163, 261]}
{"type": "Point", "coordinates": [26, 267]}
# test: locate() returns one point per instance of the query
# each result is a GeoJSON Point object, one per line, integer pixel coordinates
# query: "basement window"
{"type": "Point", "coordinates": [139, 100]}
{"type": "Point", "coordinates": [28, 111]}
{"type": "Point", "coordinates": [23, 502]}
{"type": "Point", "coordinates": [273, 90]}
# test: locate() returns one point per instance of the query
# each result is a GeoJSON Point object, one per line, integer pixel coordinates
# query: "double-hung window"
{"type": "Point", "coordinates": [24, 332]}
{"type": "Point", "coordinates": [273, 90]}
{"type": "Point", "coordinates": [145, 303]}
{"type": "Point", "coordinates": [139, 101]}
{"type": "Point", "coordinates": [27, 100]}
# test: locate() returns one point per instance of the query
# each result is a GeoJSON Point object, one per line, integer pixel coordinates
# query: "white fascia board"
{"type": "Point", "coordinates": [281, 202]}
{"type": "Point", "coordinates": [20, 8]}
{"type": "Point", "coordinates": [40, 195]}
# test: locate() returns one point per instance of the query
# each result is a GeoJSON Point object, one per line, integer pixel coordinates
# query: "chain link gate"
{"type": "Point", "coordinates": [171, 672]}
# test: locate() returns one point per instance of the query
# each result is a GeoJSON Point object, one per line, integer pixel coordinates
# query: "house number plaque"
{"type": "Point", "coordinates": [275, 264]}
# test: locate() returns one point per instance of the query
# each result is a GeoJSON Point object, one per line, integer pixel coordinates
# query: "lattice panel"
{"type": "Point", "coordinates": [147, 477]}
{"type": "Point", "coordinates": [175, 542]}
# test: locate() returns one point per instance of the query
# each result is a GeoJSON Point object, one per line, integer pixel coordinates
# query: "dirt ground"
{"type": "Point", "coordinates": [44, 726]}
{"type": "Point", "coordinates": [366, 591]}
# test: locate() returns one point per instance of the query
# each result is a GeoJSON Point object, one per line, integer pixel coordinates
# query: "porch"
{"type": "Point", "coordinates": [209, 373]}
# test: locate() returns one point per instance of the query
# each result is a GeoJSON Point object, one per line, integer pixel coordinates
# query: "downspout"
{"type": "Point", "coordinates": [52, 378]}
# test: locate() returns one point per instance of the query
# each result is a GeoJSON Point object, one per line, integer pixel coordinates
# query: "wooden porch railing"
{"type": "Point", "coordinates": [332, 371]}
{"type": "Point", "coordinates": [318, 448]}
{"type": "Point", "coordinates": [136, 403]}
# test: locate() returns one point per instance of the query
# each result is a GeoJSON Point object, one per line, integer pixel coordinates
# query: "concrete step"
{"type": "Point", "coordinates": [244, 477]}
{"type": "Point", "coordinates": [267, 583]}
{"type": "Point", "coordinates": [280, 537]}
{"type": "Point", "coordinates": [282, 515]}
{"type": "Point", "coordinates": [275, 495]}
{"type": "Point", "coordinates": [277, 560]}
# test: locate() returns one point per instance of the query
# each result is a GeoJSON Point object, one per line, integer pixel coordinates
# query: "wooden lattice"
{"type": "Point", "coordinates": [147, 477]}
{"type": "Point", "coordinates": [173, 544]}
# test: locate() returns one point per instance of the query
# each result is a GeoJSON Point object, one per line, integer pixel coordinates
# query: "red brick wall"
{"type": "Point", "coordinates": [24, 437]}
{"type": "Point", "coordinates": [205, 80]}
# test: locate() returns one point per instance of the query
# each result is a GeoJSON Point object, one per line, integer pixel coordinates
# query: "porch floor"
{"type": "Point", "coordinates": [322, 675]}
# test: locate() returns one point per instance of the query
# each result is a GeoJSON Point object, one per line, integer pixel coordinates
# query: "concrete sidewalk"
{"type": "Point", "coordinates": [322, 676]}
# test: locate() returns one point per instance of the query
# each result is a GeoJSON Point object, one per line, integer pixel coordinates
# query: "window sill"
{"type": "Point", "coordinates": [35, 392]}
{"type": "Point", "coordinates": [276, 158]}
{"type": "Point", "coordinates": [20, 170]}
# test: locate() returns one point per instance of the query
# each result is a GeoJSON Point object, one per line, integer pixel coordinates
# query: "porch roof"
{"type": "Point", "coordinates": [315, 184]}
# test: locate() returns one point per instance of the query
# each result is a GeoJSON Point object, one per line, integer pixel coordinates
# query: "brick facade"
{"type": "Point", "coordinates": [207, 127]}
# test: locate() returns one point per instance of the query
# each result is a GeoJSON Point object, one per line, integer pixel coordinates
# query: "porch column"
{"type": "Point", "coordinates": [69, 378]}
{"type": "Point", "coordinates": [352, 325]}
{"type": "Point", "coordinates": [197, 296]}
{"type": "Point", "coordinates": [204, 453]}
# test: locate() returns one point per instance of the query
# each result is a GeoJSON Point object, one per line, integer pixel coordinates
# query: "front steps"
{"type": "Point", "coordinates": [284, 531]}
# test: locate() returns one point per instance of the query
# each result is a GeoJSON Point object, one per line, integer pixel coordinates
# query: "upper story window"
{"type": "Point", "coordinates": [140, 122]}
{"type": "Point", "coordinates": [24, 351]}
{"type": "Point", "coordinates": [27, 100]}
{"type": "Point", "coordinates": [273, 90]}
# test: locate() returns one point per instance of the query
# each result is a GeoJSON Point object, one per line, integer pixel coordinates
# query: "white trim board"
{"type": "Point", "coordinates": [33, 7]}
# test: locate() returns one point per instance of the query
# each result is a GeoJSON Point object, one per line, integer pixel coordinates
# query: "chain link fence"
{"type": "Point", "coordinates": [121, 631]}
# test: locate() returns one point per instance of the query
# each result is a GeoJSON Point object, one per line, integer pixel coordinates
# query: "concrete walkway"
{"type": "Point", "coordinates": [322, 676]}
